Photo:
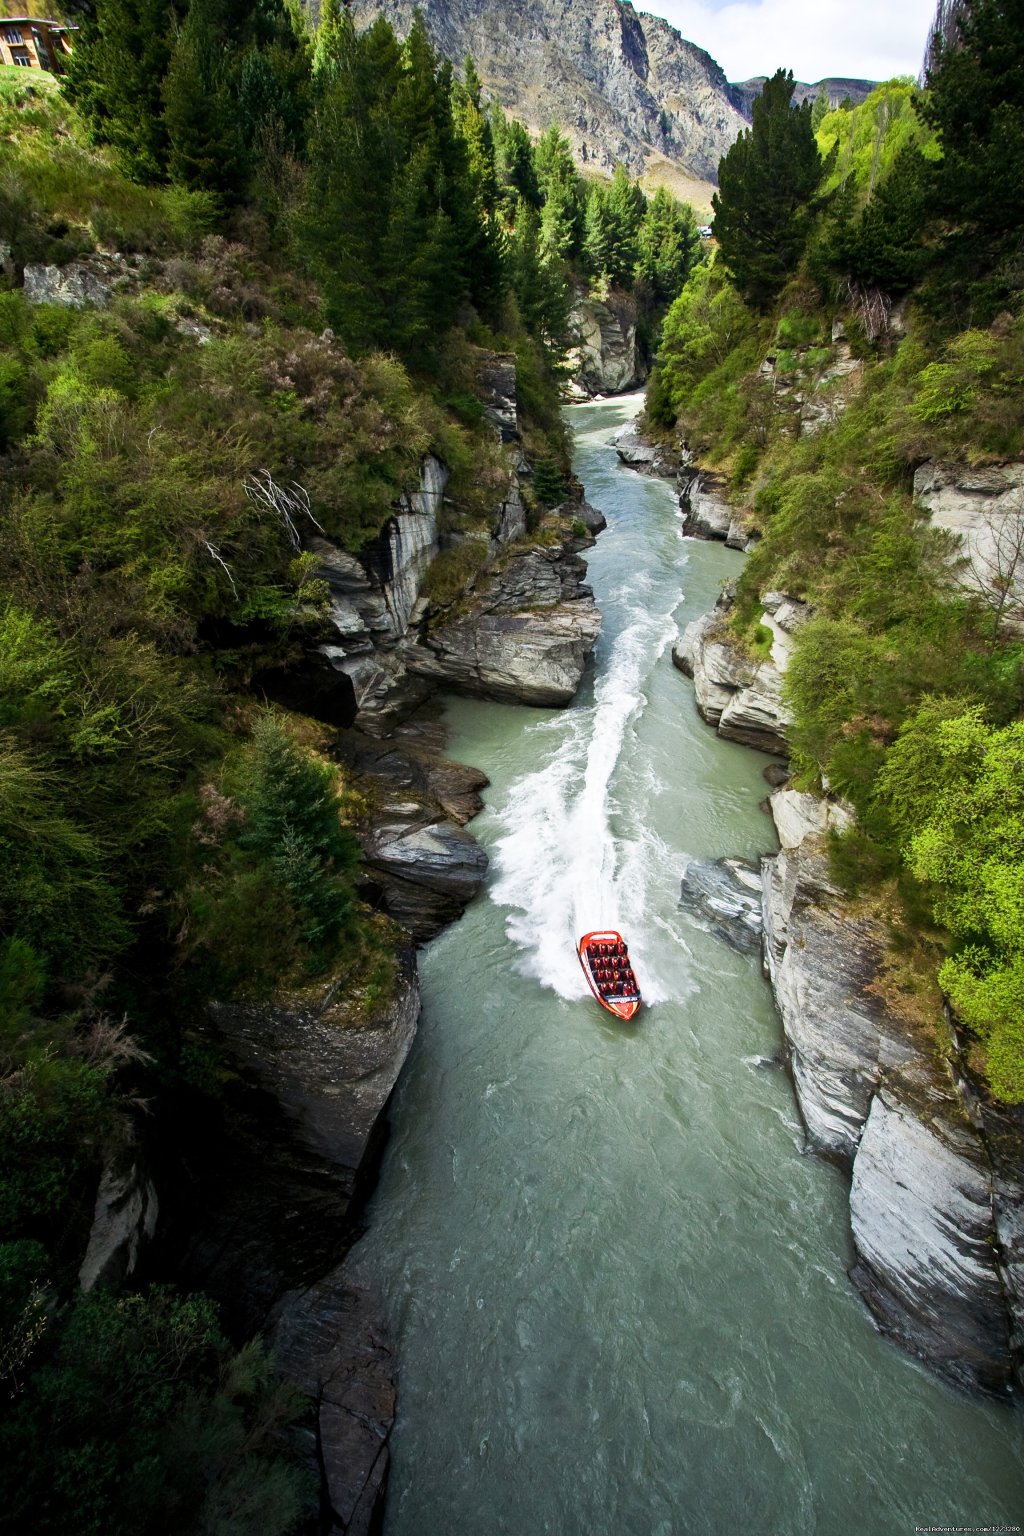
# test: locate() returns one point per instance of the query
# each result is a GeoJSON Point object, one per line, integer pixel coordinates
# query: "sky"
{"type": "Point", "coordinates": [860, 39]}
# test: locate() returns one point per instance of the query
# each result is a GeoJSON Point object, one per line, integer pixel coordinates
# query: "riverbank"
{"type": "Point", "coordinates": [939, 1259]}
{"type": "Point", "coordinates": [602, 1248]}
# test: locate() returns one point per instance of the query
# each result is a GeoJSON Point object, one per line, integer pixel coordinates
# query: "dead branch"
{"type": "Point", "coordinates": [289, 504]}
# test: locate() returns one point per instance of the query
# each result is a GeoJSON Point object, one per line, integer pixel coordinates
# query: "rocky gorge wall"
{"type": "Point", "coordinates": [606, 359]}
{"type": "Point", "coordinates": [936, 1169]}
{"type": "Point", "coordinates": [259, 1203]}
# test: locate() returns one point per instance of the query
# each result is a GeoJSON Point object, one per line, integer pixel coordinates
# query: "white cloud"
{"type": "Point", "coordinates": [872, 40]}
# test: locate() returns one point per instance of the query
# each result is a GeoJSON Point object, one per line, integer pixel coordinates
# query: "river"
{"type": "Point", "coordinates": [618, 1286]}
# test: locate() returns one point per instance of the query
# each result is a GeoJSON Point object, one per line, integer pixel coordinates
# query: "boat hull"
{"type": "Point", "coordinates": [623, 1007]}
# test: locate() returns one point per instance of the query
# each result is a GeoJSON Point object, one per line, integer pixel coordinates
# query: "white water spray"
{"type": "Point", "coordinates": [566, 864]}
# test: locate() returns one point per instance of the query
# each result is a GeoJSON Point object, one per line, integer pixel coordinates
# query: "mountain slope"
{"type": "Point", "coordinates": [623, 86]}
{"type": "Point", "coordinates": [746, 92]}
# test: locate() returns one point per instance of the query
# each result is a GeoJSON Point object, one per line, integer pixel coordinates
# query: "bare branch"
{"type": "Point", "coordinates": [216, 555]}
{"type": "Point", "coordinates": [287, 503]}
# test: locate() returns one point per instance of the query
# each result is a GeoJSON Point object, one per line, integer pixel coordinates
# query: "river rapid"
{"type": "Point", "coordinates": [617, 1284]}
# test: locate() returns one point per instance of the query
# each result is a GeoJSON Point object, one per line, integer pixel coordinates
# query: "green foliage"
{"type": "Point", "coordinates": [955, 785]}
{"type": "Point", "coordinates": [276, 865]}
{"type": "Point", "coordinates": [706, 329]}
{"type": "Point", "coordinates": [452, 570]}
{"type": "Point", "coordinates": [668, 246]}
{"type": "Point", "coordinates": [397, 221]}
{"type": "Point", "coordinates": [201, 119]}
{"type": "Point", "coordinates": [975, 104]}
{"type": "Point", "coordinates": [767, 186]}
{"type": "Point", "coordinates": [612, 223]}
{"type": "Point", "coordinates": [142, 1419]}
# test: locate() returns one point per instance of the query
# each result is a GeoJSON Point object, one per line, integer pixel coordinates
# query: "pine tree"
{"type": "Point", "coordinates": [822, 107]}
{"type": "Point", "coordinates": [975, 102]}
{"type": "Point", "coordinates": [667, 248]}
{"type": "Point", "coordinates": [517, 169]}
{"type": "Point", "coordinates": [204, 145]}
{"type": "Point", "coordinates": [767, 186]}
{"type": "Point", "coordinates": [561, 188]}
{"type": "Point", "coordinates": [115, 77]}
{"type": "Point", "coordinates": [626, 208]}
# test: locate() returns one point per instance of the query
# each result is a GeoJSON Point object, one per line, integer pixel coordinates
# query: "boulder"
{"type": "Point", "coordinates": [726, 896]}
{"type": "Point", "coordinates": [647, 458]}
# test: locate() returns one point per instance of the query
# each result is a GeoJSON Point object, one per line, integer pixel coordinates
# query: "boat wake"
{"type": "Point", "coordinates": [568, 860]}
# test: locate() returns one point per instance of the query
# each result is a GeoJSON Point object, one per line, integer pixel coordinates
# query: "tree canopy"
{"type": "Point", "coordinates": [768, 183]}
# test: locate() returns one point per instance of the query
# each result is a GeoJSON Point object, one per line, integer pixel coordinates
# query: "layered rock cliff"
{"type": "Point", "coordinates": [737, 693]}
{"type": "Point", "coordinates": [936, 1177]}
{"type": "Point", "coordinates": [935, 1221]}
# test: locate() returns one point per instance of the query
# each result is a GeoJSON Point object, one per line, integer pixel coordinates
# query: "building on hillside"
{"type": "Point", "coordinates": [34, 44]}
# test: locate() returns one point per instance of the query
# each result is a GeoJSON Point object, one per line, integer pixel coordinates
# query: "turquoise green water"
{"type": "Point", "coordinates": [618, 1286]}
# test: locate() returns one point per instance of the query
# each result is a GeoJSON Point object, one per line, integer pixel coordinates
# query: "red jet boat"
{"type": "Point", "coordinates": [606, 965]}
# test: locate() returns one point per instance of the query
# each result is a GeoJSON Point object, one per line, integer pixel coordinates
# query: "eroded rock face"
{"type": "Point", "coordinates": [528, 633]}
{"type": "Point", "coordinates": [374, 595]}
{"type": "Point", "coordinates": [271, 1213]}
{"type": "Point", "coordinates": [124, 1221]}
{"type": "Point", "coordinates": [921, 1213]}
{"type": "Point", "coordinates": [820, 960]}
{"type": "Point", "coordinates": [606, 361]}
{"type": "Point", "coordinates": [742, 698]}
{"type": "Point", "coordinates": [332, 1344]}
{"type": "Point", "coordinates": [983, 508]}
{"type": "Point", "coordinates": [725, 895]}
{"type": "Point", "coordinates": [938, 1242]}
{"type": "Point", "coordinates": [75, 286]}
{"type": "Point", "coordinates": [703, 498]}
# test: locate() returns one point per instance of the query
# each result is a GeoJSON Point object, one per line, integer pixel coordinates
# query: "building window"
{"type": "Point", "coordinates": [12, 35]}
{"type": "Point", "coordinates": [21, 56]}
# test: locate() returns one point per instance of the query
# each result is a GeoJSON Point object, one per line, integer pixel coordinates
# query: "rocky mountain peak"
{"type": "Point", "coordinates": [624, 86]}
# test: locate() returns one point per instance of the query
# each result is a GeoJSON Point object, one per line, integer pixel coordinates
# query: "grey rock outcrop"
{"type": "Point", "coordinates": [938, 1250]}
{"type": "Point", "coordinates": [419, 863]}
{"type": "Point", "coordinates": [499, 393]}
{"type": "Point", "coordinates": [332, 1077]}
{"type": "Point", "coordinates": [330, 1342]}
{"type": "Point", "coordinates": [373, 597]}
{"type": "Point", "coordinates": [703, 499]}
{"type": "Point", "coordinates": [523, 625]}
{"type": "Point", "coordinates": [983, 509]}
{"type": "Point", "coordinates": [529, 632]}
{"type": "Point", "coordinates": [623, 86]}
{"type": "Point", "coordinates": [726, 896]}
{"type": "Point", "coordinates": [606, 360]}
{"type": "Point", "coordinates": [124, 1221]}
{"type": "Point", "coordinates": [647, 458]}
{"type": "Point", "coordinates": [740, 696]}
{"type": "Point", "coordinates": [820, 960]}
{"type": "Point", "coordinates": [313, 1077]}
{"type": "Point", "coordinates": [75, 286]}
